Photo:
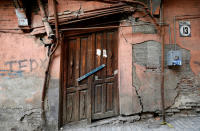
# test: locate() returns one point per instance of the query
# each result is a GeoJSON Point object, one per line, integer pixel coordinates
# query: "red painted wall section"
{"type": "Point", "coordinates": [8, 18]}
{"type": "Point", "coordinates": [126, 91]}
{"type": "Point", "coordinates": [127, 38]}
{"type": "Point", "coordinates": [74, 5]}
{"type": "Point", "coordinates": [22, 53]}
{"type": "Point", "coordinates": [185, 7]}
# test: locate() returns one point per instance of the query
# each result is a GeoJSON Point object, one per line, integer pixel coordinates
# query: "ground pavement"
{"type": "Point", "coordinates": [180, 123]}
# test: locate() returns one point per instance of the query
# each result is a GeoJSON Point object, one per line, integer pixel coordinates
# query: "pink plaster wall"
{"type": "Point", "coordinates": [74, 5]}
{"type": "Point", "coordinates": [8, 19]}
{"type": "Point", "coordinates": [127, 39]}
{"type": "Point", "coordinates": [18, 47]}
{"type": "Point", "coordinates": [185, 7]}
{"type": "Point", "coordinates": [127, 92]}
{"type": "Point", "coordinates": [24, 53]}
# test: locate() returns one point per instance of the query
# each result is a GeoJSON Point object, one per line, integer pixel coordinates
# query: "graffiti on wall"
{"type": "Point", "coordinates": [16, 68]}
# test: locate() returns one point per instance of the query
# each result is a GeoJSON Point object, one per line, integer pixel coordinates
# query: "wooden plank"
{"type": "Point", "coordinates": [104, 49]}
{"type": "Point", "coordinates": [91, 60]}
{"type": "Point", "coordinates": [83, 60]}
{"type": "Point", "coordinates": [97, 82]}
{"type": "Point", "coordinates": [77, 106]}
{"type": "Point", "coordinates": [71, 107]}
{"type": "Point", "coordinates": [83, 104]}
{"type": "Point", "coordinates": [71, 62]}
{"type": "Point", "coordinates": [110, 52]}
{"type": "Point", "coordinates": [104, 115]}
{"type": "Point", "coordinates": [98, 52]}
{"type": "Point", "coordinates": [104, 97]}
{"type": "Point", "coordinates": [64, 77]}
{"type": "Point", "coordinates": [98, 98]}
{"type": "Point", "coordinates": [77, 88]}
{"type": "Point", "coordinates": [109, 79]}
{"type": "Point", "coordinates": [71, 18]}
{"type": "Point", "coordinates": [77, 60]}
{"type": "Point", "coordinates": [110, 93]}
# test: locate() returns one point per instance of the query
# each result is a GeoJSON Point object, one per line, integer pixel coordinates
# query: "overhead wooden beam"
{"type": "Point", "coordinates": [71, 17]}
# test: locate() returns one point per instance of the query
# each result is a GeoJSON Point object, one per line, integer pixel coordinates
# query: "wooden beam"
{"type": "Point", "coordinates": [71, 17]}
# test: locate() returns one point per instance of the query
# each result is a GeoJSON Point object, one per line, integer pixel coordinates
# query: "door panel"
{"type": "Point", "coordinates": [83, 104]}
{"type": "Point", "coordinates": [95, 97]}
{"type": "Point", "coordinates": [104, 89]}
{"type": "Point", "coordinates": [71, 106]}
{"type": "Point", "coordinates": [77, 92]}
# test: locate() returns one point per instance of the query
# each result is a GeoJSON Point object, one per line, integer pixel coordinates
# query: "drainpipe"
{"type": "Point", "coordinates": [56, 20]}
{"type": "Point", "coordinates": [162, 62]}
{"type": "Point", "coordinates": [51, 36]}
{"type": "Point", "coordinates": [57, 43]}
{"type": "Point", "coordinates": [47, 26]}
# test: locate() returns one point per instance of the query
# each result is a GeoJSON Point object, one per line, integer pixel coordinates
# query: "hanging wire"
{"type": "Point", "coordinates": [174, 32]}
{"type": "Point", "coordinates": [170, 41]}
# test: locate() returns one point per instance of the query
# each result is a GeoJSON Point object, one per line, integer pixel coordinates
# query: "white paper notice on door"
{"type": "Point", "coordinates": [104, 53]}
{"type": "Point", "coordinates": [98, 52]}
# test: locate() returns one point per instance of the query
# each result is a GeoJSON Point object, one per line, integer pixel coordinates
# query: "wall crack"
{"type": "Point", "coordinates": [28, 114]}
{"type": "Point", "coordinates": [139, 98]}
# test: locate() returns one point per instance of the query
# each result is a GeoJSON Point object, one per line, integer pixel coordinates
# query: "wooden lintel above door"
{"type": "Point", "coordinates": [71, 17]}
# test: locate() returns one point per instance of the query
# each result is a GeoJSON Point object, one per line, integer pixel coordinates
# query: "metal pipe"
{"type": "Point", "coordinates": [54, 49]}
{"type": "Point", "coordinates": [56, 20]}
{"type": "Point", "coordinates": [162, 64]}
{"type": "Point", "coordinates": [174, 32]}
{"type": "Point", "coordinates": [170, 39]}
{"type": "Point", "coordinates": [50, 36]}
{"type": "Point", "coordinates": [47, 26]}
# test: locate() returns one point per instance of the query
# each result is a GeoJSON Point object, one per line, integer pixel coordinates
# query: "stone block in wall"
{"type": "Point", "coordinates": [147, 54]}
{"type": "Point", "coordinates": [170, 114]}
{"type": "Point", "coordinates": [191, 104]}
{"type": "Point", "coordinates": [175, 110]}
{"type": "Point", "coordinates": [197, 110]}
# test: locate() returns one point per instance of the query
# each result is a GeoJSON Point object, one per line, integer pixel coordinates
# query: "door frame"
{"type": "Point", "coordinates": [62, 92]}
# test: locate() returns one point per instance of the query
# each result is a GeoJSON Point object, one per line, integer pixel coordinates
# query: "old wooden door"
{"type": "Point", "coordinates": [104, 86]}
{"type": "Point", "coordinates": [95, 97]}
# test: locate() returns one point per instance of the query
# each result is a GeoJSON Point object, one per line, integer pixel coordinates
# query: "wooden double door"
{"type": "Point", "coordinates": [95, 97]}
